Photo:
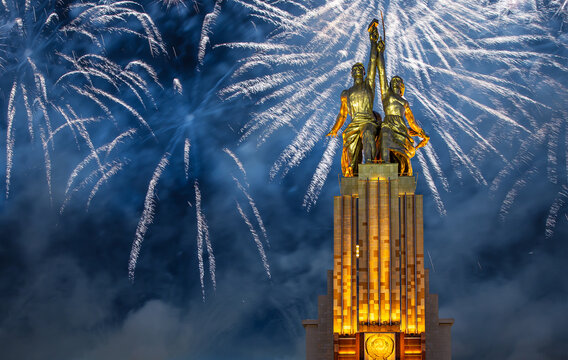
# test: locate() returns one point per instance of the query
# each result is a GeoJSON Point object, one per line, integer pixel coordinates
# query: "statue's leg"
{"type": "Point", "coordinates": [402, 164]}
{"type": "Point", "coordinates": [385, 151]}
{"type": "Point", "coordinates": [355, 156]}
{"type": "Point", "coordinates": [369, 146]}
{"type": "Point", "coordinates": [345, 169]}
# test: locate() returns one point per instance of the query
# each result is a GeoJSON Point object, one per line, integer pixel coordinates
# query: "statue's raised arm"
{"type": "Point", "coordinates": [359, 137]}
{"type": "Point", "coordinates": [372, 67]}
{"type": "Point", "coordinates": [383, 83]}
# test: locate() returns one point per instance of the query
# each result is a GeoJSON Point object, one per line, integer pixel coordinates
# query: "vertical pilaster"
{"type": "Point", "coordinates": [403, 264]}
{"type": "Point", "coordinates": [337, 253]}
{"type": "Point", "coordinates": [373, 243]}
{"type": "Point", "coordinates": [363, 251]}
{"type": "Point", "coordinates": [394, 252]}
{"type": "Point", "coordinates": [410, 264]}
{"type": "Point", "coordinates": [420, 279]}
{"type": "Point", "coordinates": [346, 257]}
{"type": "Point", "coordinates": [353, 285]}
{"type": "Point", "coordinates": [384, 250]}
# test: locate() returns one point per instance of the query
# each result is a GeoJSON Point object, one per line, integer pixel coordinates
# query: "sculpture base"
{"type": "Point", "coordinates": [350, 185]}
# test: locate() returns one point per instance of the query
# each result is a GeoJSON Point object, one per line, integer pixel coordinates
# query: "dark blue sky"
{"type": "Point", "coordinates": [64, 286]}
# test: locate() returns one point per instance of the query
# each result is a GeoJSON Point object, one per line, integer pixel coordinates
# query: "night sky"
{"type": "Point", "coordinates": [496, 248]}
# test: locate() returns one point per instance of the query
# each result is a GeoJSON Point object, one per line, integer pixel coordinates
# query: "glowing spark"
{"type": "Point", "coordinates": [256, 240]}
{"type": "Point", "coordinates": [551, 219]}
{"type": "Point", "coordinates": [237, 161]}
{"type": "Point", "coordinates": [254, 210]}
{"type": "Point", "coordinates": [186, 147]}
{"type": "Point", "coordinates": [177, 86]}
{"type": "Point", "coordinates": [115, 168]}
{"type": "Point", "coordinates": [321, 173]}
{"type": "Point", "coordinates": [432, 43]}
{"type": "Point", "coordinates": [208, 23]}
{"type": "Point", "coordinates": [200, 224]}
{"type": "Point", "coordinates": [147, 215]}
{"type": "Point", "coordinates": [203, 234]}
{"type": "Point", "coordinates": [10, 138]}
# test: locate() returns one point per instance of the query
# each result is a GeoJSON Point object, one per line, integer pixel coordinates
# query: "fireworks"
{"type": "Point", "coordinates": [62, 80]}
{"type": "Point", "coordinates": [471, 71]}
{"type": "Point", "coordinates": [147, 216]}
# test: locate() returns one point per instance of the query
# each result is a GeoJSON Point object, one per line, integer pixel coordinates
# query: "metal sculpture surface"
{"type": "Point", "coordinates": [366, 139]}
{"type": "Point", "coordinates": [359, 138]}
{"type": "Point", "coordinates": [395, 138]}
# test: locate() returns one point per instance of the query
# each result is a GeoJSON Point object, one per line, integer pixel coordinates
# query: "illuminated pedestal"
{"type": "Point", "coordinates": [379, 302]}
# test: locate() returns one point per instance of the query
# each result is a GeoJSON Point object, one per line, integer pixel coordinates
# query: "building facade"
{"type": "Point", "coordinates": [378, 305]}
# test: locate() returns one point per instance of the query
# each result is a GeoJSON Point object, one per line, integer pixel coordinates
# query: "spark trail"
{"type": "Point", "coordinates": [147, 216]}
{"type": "Point", "coordinates": [237, 161]}
{"type": "Point", "coordinates": [254, 210]}
{"type": "Point", "coordinates": [256, 241]}
{"type": "Point", "coordinates": [470, 70]}
{"type": "Point", "coordinates": [55, 55]}
{"type": "Point", "coordinates": [203, 235]}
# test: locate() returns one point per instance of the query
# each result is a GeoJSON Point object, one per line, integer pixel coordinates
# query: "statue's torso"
{"type": "Point", "coordinates": [394, 104]}
{"type": "Point", "coordinates": [360, 101]}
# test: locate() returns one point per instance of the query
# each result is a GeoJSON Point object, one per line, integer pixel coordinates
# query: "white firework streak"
{"type": "Point", "coordinates": [10, 138]}
{"type": "Point", "coordinates": [147, 215]}
{"type": "Point", "coordinates": [431, 184]}
{"type": "Point", "coordinates": [546, 138]}
{"type": "Point", "coordinates": [114, 17]}
{"type": "Point", "coordinates": [208, 23]}
{"type": "Point", "coordinates": [552, 144]}
{"type": "Point", "coordinates": [93, 91]}
{"type": "Point", "coordinates": [256, 240]}
{"type": "Point", "coordinates": [321, 173]}
{"type": "Point", "coordinates": [551, 219]}
{"type": "Point", "coordinates": [237, 161]}
{"type": "Point", "coordinates": [106, 175]}
{"type": "Point", "coordinates": [106, 149]}
{"type": "Point", "coordinates": [514, 192]}
{"type": "Point", "coordinates": [313, 131]}
{"type": "Point", "coordinates": [186, 147]}
{"type": "Point", "coordinates": [203, 234]}
{"type": "Point", "coordinates": [28, 111]}
{"type": "Point", "coordinates": [177, 86]}
{"type": "Point", "coordinates": [47, 159]}
{"type": "Point", "coordinates": [37, 27]}
{"type": "Point", "coordinates": [254, 210]}
{"type": "Point", "coordinates": [96, 66]}
{"type": "Point", "coordinates": [200, 225]}
{"type": "Point", "coordinates": [103, 171]}
{"type": "Point", "coordinates": [170, 3]}
{"type": "Point", "coordinates": [430, 42]}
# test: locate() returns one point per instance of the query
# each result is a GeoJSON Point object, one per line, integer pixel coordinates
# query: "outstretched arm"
{"type": "Point", "coordinates": [340, 117]}
{"type": "Point", "coordinates": [416, 130]}
{"type": "Point", "coordinates": [382, 71]}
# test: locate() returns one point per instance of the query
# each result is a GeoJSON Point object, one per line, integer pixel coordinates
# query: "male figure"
{"type": "Point", "coordinates": [395, 138]}
{"type": "Point", "coordinates": [357, 102]}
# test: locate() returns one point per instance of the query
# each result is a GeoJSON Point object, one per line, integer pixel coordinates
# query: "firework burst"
{"type": "Point", "coordinates": [470, 69]}
{"type": "Point", "coordinates": [63, 83]}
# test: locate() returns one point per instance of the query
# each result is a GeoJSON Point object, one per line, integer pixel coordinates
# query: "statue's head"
{"type": "Point", "coordinates": [397, 85]}
{"type": "Point", "coordinates": [358, 71]}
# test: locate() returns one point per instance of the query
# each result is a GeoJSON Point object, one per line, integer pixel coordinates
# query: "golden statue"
{"type": "Point", "coordinates": [359, 138]}
{"type": "Point", "coordinates": [395, 138]}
